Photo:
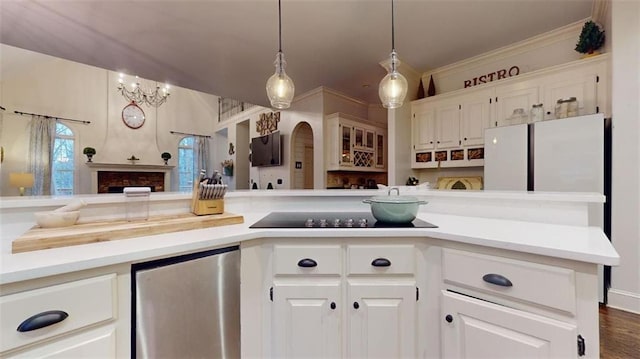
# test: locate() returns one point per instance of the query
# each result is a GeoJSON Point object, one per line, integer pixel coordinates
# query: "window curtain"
{"type": "Point", "coordinates": [41, 136]}
{"type": "Point", "coordinates": [202, 155]}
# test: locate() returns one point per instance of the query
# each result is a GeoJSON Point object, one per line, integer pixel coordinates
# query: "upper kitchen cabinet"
{"type": "Point", "coordinates": [513, 96]}
{"type": "Point", "coordinates": [445, 130]}
{"type": "Point", "coordinates": [448, 129]}
{"type": "Point", "coordinates": [352, 144]}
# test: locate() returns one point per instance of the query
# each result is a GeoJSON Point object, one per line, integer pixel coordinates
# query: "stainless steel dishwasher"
{"type": "Point", "coordinates": [187, 306]}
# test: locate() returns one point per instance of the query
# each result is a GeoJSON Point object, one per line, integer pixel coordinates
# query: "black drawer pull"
{"type": "Point", "coordinates": [381, 262]}
{"type": "Point", "coordinates": [448, 318]}
{"type": "Point", "coordinates": [333, 305]}
{"type": "Point", "coordinates": [307, 263]}
{"type": "Point", "coordinates": [497, 279]}
{"type": "Point", "coordinates": [356, 305]}
{"type": "Point", "coordinates": [42, 320]}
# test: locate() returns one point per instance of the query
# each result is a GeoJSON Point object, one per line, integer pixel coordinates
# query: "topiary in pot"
{"type": "Point", "coordinates": [89, 151]}
{"type": "Point", "coordinates": [591, 38]}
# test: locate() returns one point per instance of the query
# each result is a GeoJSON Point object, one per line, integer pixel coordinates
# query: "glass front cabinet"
{"type": "Point", "coordinates": [354, 145]}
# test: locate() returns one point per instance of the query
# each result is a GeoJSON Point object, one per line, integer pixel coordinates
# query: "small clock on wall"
{"type": "Point", "coordinates": [133, 116]}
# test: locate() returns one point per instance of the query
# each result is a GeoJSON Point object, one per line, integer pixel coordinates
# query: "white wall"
{"type": "Point", "coordinates": [625, 38]}
{"type": "Point", "coordinates": [46, 85]}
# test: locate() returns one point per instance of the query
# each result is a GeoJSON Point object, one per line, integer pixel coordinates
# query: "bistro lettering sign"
{"type": "Point", "coordinates": [496, 75]}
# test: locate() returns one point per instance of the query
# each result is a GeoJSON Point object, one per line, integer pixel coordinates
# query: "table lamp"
{"type": "Point", "coordinates": [21, 180]}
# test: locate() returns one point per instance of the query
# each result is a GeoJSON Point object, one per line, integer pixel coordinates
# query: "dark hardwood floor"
{"type": "Point", "coordinates": [619, 334]}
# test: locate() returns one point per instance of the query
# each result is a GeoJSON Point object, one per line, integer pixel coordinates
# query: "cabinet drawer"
{"type": "Point", "coordinates": [85, 301]}
{"type": "Point", "coordinates": [306, 260]}
{"type": "Point", "coordinates": [383, 259]}
{"type": "Point", "coordinates": [536, 283]}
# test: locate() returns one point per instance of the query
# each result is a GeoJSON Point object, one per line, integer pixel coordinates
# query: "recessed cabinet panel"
{"type": "Point", "coordinates": [515, 96]}
{"type": "Point", "coordinates": [448, 126]}
{"type": "Point", "coordinates": [583, 88]}
{"type": "Point", "coordinates": [382, 321]}
{"type": "Point", "coordinates": [472, 270]}
{"type": "Point", "coordinates": [87, 302]}
{"type": "Point", "coordinates": [475, 118]}
{"type": "Point", "coordinates": [424, 129]}
{"type": "Point", "coordinates": [307, 260]}
{"type": "Point", "coordinates": [306, 324]}
{"type": "Point", "coordinates": [473, 328]}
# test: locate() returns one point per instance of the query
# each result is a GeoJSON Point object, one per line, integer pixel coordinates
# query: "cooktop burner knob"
{"type": "Point", "coordinates": [362, 222]}
{"type": "Point", "coordinates": [348, 222]}
{"type": "Point", "coordinates": [309, 222]}
{"type": "Point", "coordinates": [323, 223]}
{"type": "Point", "coordinates": [336, 222]}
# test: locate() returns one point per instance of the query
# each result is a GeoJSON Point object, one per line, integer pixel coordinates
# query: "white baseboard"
{"type": "Point", "coordinates": [623, 300]}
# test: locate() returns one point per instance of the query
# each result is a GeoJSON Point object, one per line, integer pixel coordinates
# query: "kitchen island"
{"type": "Point", "coordinates": [543, 240]}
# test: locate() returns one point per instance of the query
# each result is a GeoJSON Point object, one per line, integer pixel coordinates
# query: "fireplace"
{"type": "Point", "coordinates": [112, 178]}
{"type": "Point", "coordinates": [115, 181]}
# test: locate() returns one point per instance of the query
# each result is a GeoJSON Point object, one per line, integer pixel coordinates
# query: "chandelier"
{"type": "Point", "coordinates": [280, 88]}
{"type": "Point", "coordinates": [139, 95]}
{"type": "Point", "coordinates": [393, 87]}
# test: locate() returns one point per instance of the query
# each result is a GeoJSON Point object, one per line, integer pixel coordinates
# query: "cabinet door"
{"type": "Point", "coordinates": [346, 133]}
{"type": "Point", "coordinates": [424, 129]}
{"type": "Point", "coordinates": [382, 320]}
{"type": "Point", "coordinates": [510, 97]}
{"type": "Point", "coordinates": [448, 126]}
{"type": "Point", "coordinates": [475, 118]}
{"type": "Point", "coordinates": [381, 152]}
{"type": "Point", "coordinates": [580, 86]}
{"type": "Point", "coordinates": [479, 329]}
{"type": "Point", "coordinates": [305, 323]}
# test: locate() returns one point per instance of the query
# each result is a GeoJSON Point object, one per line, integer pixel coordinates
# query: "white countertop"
{"type": "Point", "coordinates": [579, 243]}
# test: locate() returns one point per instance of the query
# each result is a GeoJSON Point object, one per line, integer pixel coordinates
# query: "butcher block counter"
{"type": "Point", "coordinates": [544, 236]}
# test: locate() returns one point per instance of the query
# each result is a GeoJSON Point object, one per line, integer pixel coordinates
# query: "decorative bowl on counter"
{"type": "Point", "coordinates": [53, 219]}
{"type": "Point", "coordinates": [394, 209]}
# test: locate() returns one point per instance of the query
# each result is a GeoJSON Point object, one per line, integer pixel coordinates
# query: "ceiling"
{"type": "Point", "coordinates": [227, 47]}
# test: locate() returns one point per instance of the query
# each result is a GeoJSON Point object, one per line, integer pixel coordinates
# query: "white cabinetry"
{"type": "Point", "coordinates": [447, 130]}
{"type": "Point", "coordinates": [63, 312]}
{"type": "Point", "coordinates": [353, 145]}
{"type": "Point", "coordinates": [478, 329]}
{"type": "Point", "coordinates": [320, 309]}
{"type": "Point", "coordinates": [495, 307]}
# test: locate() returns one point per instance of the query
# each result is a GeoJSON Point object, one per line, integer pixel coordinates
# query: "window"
{"type": "Point", "coordinates": [62, 167]}
{"type": "Point", "coordinates": [186, 164]}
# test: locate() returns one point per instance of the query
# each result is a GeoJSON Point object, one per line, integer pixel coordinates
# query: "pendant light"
{"type": "Point", "coordinates": [280, 88]}
{"type": "Point", "coordinates": [393, 87]}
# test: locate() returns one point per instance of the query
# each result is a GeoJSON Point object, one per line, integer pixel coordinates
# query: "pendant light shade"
{"type": "Point", "coordinates": [393, 87]}
{"type": "Point", "coordinates": [280, 88]}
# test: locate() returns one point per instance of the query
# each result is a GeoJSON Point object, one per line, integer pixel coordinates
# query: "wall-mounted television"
{"type": "Point", "coordinates": [266, 150]}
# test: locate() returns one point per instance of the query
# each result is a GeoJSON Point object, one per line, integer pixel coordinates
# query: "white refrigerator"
{"type": "Point", "coordinates": [564, 155]}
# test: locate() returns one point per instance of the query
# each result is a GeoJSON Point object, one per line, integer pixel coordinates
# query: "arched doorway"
{"type": "Point", "coordinates": [302, 156]}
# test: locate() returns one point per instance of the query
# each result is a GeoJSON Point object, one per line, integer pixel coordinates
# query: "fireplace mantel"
{"type": "Point", "coordinates": [128, 167]}
{"type": "Point", "coordinates": [96, 167]}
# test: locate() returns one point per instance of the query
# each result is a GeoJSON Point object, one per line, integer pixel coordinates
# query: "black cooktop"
{"type": "Point", "coordinates": [331, 220]}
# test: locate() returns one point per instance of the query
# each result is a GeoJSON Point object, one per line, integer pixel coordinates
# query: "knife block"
{"type": "Point", "coordinates": [208, 206]}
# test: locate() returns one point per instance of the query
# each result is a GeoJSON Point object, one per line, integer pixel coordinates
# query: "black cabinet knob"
{"type": "Point", "coordinates": [465, 138]}
{"type": "Point", "coordinates": [307, 263]}
{"type": "Point", "coordinates": [356, 305]}
{"type": "Point", "coordinates": [449, 318]}
{"type": "Point", "coordinates": [381, 262]}
{"type": "Point", "coordinates": [333, 305]}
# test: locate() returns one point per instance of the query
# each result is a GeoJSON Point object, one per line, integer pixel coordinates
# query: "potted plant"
{"type": "Point", "coordinates": [227, 167]}
{"type": "Point", "coordinates": [591, 39]}
{"type": "Point", "coordinates": [89, 151]}
{"type": "Point", "coordinates": [166, 156]}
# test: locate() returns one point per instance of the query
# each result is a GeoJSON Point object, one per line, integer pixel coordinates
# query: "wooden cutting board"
{"type": "Point", "coordinates": [82, 233]}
